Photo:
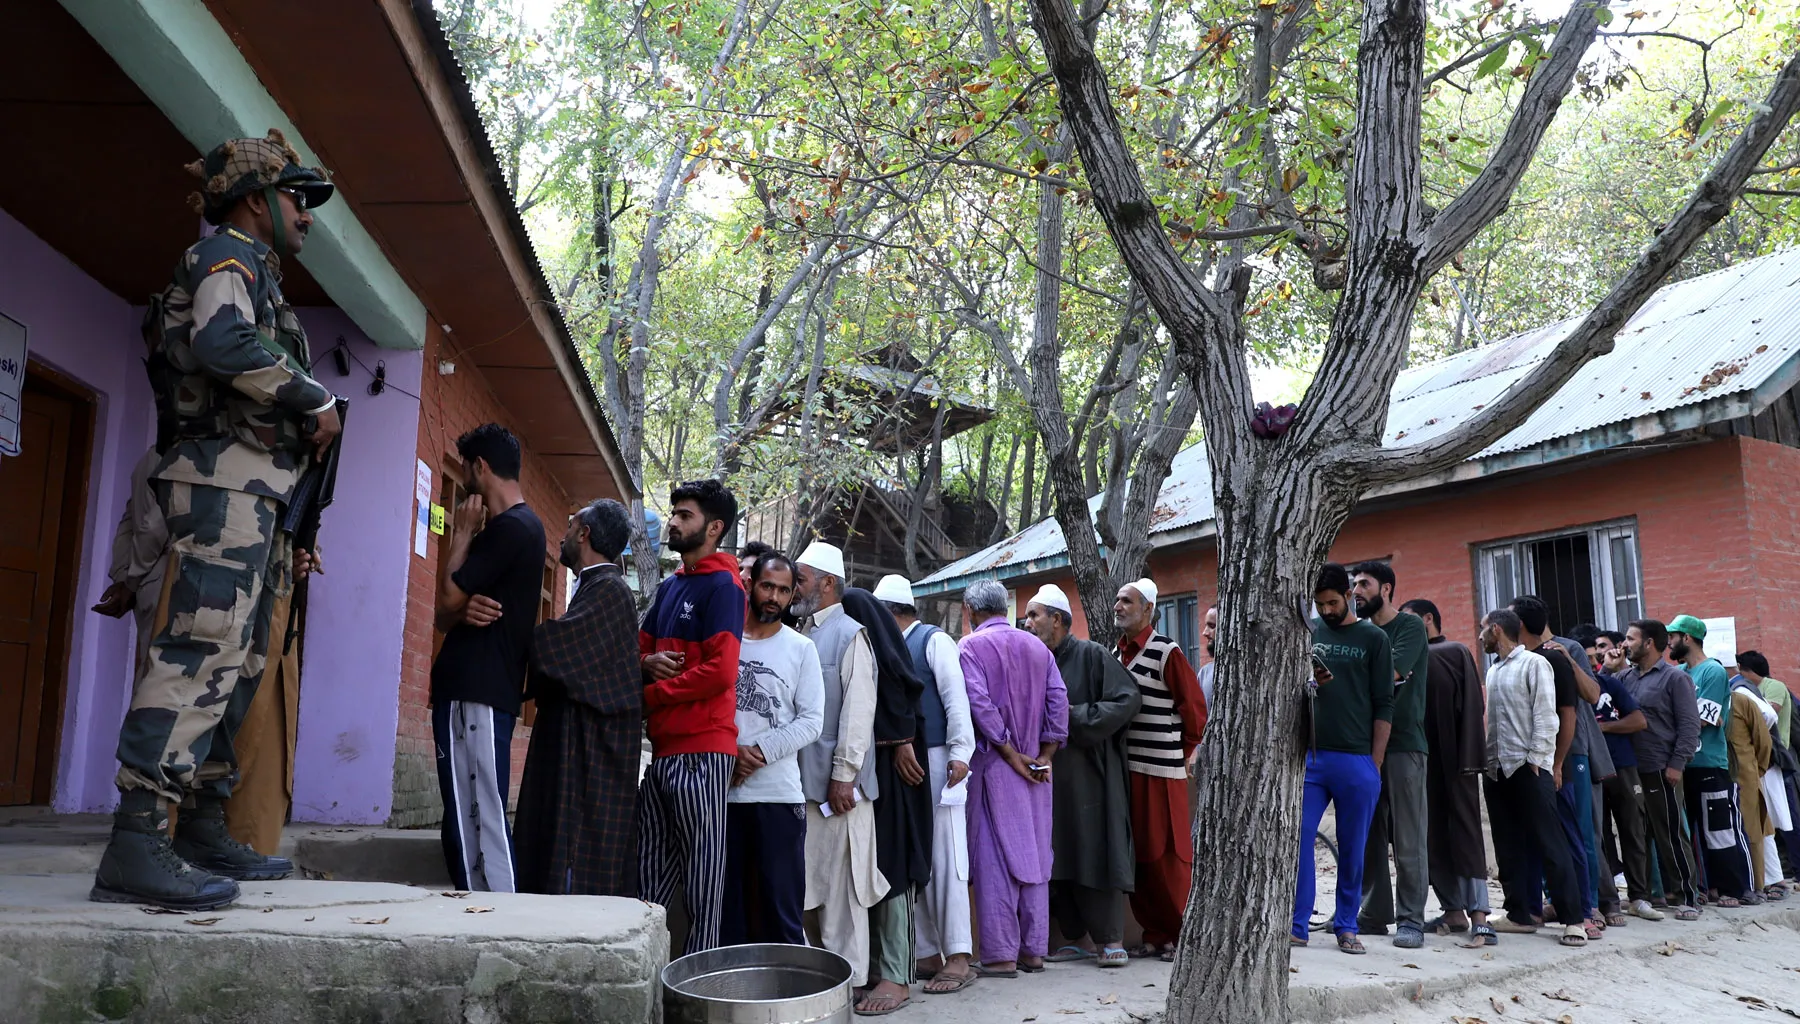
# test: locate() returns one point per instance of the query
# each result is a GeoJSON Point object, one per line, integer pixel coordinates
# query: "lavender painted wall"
{"type": "Point", "coordinates": [356, 619]}
{"type": "Point", "coordinates": [80, 329]}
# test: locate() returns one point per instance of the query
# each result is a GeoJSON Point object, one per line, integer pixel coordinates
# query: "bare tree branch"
{"type": "Point", "coordinates": [1594, 336]}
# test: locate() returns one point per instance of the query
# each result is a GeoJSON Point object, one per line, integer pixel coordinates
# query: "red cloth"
{"type": "Point", "coordinates": [1183, 684]}
{"type": "Point", "coordinates": [1163, 836]}
{"type": "Point", "coordinates": [699, 612]}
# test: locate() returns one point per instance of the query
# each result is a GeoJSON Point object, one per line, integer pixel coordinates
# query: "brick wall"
{"type": "Point", "coordinates": [1717, 531]}
{"type": "Point", "coordinates": [451, 405]}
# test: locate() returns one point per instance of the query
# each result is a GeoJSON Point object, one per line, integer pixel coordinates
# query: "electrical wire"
{"type": "Point", "coordinates": [386, 385]}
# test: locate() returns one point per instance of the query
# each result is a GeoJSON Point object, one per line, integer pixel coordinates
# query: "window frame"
{"type": "Point", "coordinates": [1606, 539]}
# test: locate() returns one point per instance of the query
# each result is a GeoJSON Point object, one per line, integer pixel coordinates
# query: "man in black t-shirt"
{"type": "Point", "coordinates": [486, 606]}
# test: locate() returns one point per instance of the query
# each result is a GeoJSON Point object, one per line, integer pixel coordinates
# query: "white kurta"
{"type": "Point", "coordinates": [943, 919]}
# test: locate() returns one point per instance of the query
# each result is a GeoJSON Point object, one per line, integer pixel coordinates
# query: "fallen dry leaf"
{"type": "Point", "coordinates": [368, 920]}
{"type": "Point", "coordinates": [204, 920]}
{"type": "Point", "coordinates": [1028, 1020]}
{"type": "Point", "coordinates": [1487, 956]}
{"type": "Point", "coordinates": [1499, 1007]}
{"type": "Point", "coordinates": [478, 910]}
{"type": "Point", "coordinates": [268, 910]}
{"type": "Point", "coordinates": [1668, 948]}
{"type": "Point", "coordinates": [1071, 1011]}
{"type": "Point", "coordinates": [161, 910]}
{"type": "Point", "coordinates": [1567, 1018]}
{"type": "Point", "coordinates": [1109, 998]}
{"type": "Point", "coordinates": [1561, 995]}
{"type": "Point", "coordinates": [455, 894]}
{"type": "Point", "coordinates": [309, 919]}
{"type": "Point", "coordinates": [1413, 966]}
{"type": "Point", "coordinates": [1467, 1020]}
{"type": "Point", "coordinates": [1293, 970]}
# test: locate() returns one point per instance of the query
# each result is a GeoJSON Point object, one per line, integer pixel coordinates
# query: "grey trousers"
{"type": "Point", "coordinates": [1465, 894]}
{"type": "Point", "coordinates": [1081, 912]}
{"type": "Point", "coordinates": [1400, 821]}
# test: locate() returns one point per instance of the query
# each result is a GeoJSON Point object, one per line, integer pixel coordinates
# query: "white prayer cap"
{"type": "Point", "coordinates": [1051, 596]}
{"type": "Point", "coordinates": [1146, 588]}
{"type": "Point", "coordinates": [827, 558]}
{"type": "Point", "coordinates": [894, 590]}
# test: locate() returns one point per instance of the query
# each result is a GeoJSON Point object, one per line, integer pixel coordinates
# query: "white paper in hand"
{"type": "Point", "coordinates": [955, 796]}
{"type": "Point", "coordinates": [856, 797]}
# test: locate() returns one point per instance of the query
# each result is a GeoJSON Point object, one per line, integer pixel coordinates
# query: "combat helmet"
{"type": "Point", "coordinates": [237, 167]}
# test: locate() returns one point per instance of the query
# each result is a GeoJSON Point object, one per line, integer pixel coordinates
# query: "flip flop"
{"type": "Point", "coordinates": [1069, 954]}
{"type": "Point", "coordinates": [1030, 969]}
{"type": "Point", "coordinates": [1485, 933]}
{"type": "Point", "coordinates": [860, 1012]}
{"type": "Point", "coordinates": [961, 983]}
{"type": "Point", "coordinates": [1347, 942]}
{"type": "Point", "coordinates": [984, 971]}
{"type": "Point", "coordinates": [1113, 958]}
{"type": "Point", "coordinates": [1144, 952]}
{"type": "Point", "coordinates": [1617, 920]}
{"type": "Point", "coordinates": [1441, 926]}
{"type": "Point", "coordinates": [1687, 914]}
{"type": "Point", "coordinates": [1573, 935]}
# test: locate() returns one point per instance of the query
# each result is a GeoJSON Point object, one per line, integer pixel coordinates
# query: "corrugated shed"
{"type": "Point", "coordinates": [1720, 334]}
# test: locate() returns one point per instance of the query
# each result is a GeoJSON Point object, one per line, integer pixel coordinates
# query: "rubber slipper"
{"type": "Point", "coordinates": [1113, 958]}
{"type": "Point", "coordinates": [884, 1011]}
{"type": "Point", "coordinates": [1687, 914]}
{"type": "Point", "coordinates": [1069, 954]}
{"type": "Point", "coordinates": [1573, 935]}
{"type": "Point", "coordinates": [1617, 920]}
{"type": "Point", "coordinates": [1441, 926]}
{"type": "Point", "coordinates": [1031, 969]}
{"type": "Point", "coordinates": [1727, 903]}
{"type": "Point", "coordinates": [962, 982]}
{"type": "Point", "coordinates": [984, 971]}
{"type": "Point", "coordinates": [1593, 931]}
{"type": "Point", "coordinates": [1485, 933]}
{"type": "Point", "coordinates": [1775, 893]}
{"type": "Point", "coordinates": [1144, 952]}
{"type": "Point", "coordinates": [1347, 942]}
{"type": "Point", "coordinates": [1295, 940]}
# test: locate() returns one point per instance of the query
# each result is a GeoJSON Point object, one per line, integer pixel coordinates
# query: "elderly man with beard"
{"type": "Point", "coordinates": [1159, 741]}
{"type": "Point", "coordinates": [1400, 817]}
{"type": "Point", "coordinates": [837, 771]}
{"type": "Point", "coordinates": [1209, 630]}
{"type": "Point", "coordinates": [576, 832]}
{"type": "Point", "coordinates": [780, 710]}
{"type": "Point", "coordinates": [1021, 713]}
{"type": "Point", "coordinates": [1093, 862]}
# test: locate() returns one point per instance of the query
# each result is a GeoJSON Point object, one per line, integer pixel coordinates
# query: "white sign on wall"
{"type": "Point", "coordinates": [12, 382]}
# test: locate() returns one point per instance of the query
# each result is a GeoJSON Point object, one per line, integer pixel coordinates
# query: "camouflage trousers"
{"type": "Point", "coordinates": [228, 564]}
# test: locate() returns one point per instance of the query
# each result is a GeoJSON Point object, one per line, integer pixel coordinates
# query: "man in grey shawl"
{"type": "Point", "coordinates": [1094, 865]}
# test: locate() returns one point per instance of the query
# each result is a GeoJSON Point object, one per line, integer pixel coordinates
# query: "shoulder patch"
{"type": "Point", "coordinates": [232, 263]}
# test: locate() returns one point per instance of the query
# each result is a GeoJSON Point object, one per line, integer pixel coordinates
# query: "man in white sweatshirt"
{"type": "Point", "coordinates": [780, 709]}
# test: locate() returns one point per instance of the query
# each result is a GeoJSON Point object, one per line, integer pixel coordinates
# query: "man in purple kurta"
{"type": "Point", "coordinates": [1021, 712]}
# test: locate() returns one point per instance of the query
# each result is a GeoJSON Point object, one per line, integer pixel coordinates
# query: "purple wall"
{"type": "Point", "coordinates": [350, 683]}
{"type": "Point", "coordinates": [356, 619]}
{"type": "Point", "coordinates": [86, 332]}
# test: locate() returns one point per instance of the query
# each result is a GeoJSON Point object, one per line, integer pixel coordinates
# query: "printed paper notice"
{"type": "Point", "coordinates": [12, 382]}
{"type": "Point", "coordinates": [422, 505]}
{"type": "Point", "coordinates": [1721, 639]}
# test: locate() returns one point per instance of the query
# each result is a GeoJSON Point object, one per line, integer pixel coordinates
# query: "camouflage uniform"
{"type": "Point", "coordinates": [232, 375]}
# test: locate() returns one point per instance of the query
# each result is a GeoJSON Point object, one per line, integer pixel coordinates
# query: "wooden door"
{"type": "Point", "coordinates": [31, 524]}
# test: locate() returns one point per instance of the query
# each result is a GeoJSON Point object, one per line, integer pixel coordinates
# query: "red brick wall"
{"type": "Point", "coordinates": [1717, 531]}
{"type": "Point", "coordinates": [451, 405]}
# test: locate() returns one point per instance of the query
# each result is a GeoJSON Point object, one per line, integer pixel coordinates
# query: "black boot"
{"type": "Point", "coordinates": [202, 840]}
{"type": "Point", "coordinates": [140, 865]}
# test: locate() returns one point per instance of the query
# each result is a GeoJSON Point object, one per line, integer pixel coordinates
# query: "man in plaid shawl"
{"type": "Point", "coordinates": [576, 831]}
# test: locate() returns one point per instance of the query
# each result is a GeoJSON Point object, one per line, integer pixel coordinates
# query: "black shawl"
{"type": "Point", "coordinates": [902, 812]}
{"type": "Point", "coordinates": [576, 830]}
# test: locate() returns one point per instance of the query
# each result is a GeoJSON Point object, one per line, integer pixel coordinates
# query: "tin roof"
{"type": "Point", "coordinates": [1733, 332]}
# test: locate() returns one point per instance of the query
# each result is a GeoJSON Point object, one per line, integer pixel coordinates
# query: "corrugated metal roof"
{"type": "Point", "coordinates": [1720, 334]}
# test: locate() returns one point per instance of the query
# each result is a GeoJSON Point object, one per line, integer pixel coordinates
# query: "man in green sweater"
{"type": "Point", "coordinates": [1354, 668]}
{"type": "Point", "coordinates": [1400, 820]}
{"type": "Point", "coordinates": [1711, 794]}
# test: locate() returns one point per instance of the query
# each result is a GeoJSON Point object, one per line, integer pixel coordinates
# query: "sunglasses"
{"type": "Point", "coordinates": [298, 196]}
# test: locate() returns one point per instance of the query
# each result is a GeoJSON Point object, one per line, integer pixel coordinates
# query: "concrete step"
{"type": "Point", "coordinates": [313, 950]}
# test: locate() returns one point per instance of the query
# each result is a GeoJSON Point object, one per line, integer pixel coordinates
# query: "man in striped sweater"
{"type": "Point", "coordinates": [1158, 741]}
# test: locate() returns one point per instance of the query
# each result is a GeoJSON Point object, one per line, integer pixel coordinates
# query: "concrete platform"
{"type": "Point", "coordinates": [328, 951]}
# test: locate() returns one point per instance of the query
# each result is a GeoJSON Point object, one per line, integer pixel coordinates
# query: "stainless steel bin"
{"type": "Point", "coordinates": [758, 984]}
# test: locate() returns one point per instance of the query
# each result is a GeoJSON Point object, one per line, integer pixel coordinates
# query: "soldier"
{"type": "Point", "coordinates": [238, 420]}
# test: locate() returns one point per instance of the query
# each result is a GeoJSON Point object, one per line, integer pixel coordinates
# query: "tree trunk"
{"type": "Point", "coordinates": [1026, 504]}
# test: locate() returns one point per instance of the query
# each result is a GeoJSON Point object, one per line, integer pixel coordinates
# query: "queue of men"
{"type": "Point", "coordinates": [1606, 756]}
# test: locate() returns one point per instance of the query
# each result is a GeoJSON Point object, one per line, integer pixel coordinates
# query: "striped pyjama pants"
{"type": "Point", "coordinates": [681, 838]}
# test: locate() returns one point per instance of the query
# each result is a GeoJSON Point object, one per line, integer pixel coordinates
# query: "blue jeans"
{"type": "Point", "coordinates": [1353, 783]}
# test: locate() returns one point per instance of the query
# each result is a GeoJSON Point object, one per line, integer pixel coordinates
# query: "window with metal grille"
{"type": "Point", "coordinates": [1178, 619]}
{"type": "Point", "coordinates": [1588, 574]}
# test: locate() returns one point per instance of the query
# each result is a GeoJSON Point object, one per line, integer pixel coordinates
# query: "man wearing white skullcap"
{"type": "Point", "coordinates": [1159, 740]}
{"type": "Point", "coordinates": [837, 771]}
{"type": "Point", "coordinates": [1091, 862]}
{"type": "Point", "coordinates": [944, 939]}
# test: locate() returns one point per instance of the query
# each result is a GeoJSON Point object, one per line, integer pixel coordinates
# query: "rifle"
{"type": "Point", "coordinates": [316, 490]}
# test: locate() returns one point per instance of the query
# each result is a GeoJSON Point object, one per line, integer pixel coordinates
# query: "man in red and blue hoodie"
{"type": "Point", "coordinates": [689, 647]}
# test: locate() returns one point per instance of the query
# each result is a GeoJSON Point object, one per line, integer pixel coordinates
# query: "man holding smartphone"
{"type": "Point", "coordinates": [1020, 707]}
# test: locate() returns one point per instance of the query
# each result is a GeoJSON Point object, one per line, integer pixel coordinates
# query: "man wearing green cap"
{"type": "Point", "coordinates": [239, 418]}
{"type": "Point", "coordinates": [1711, 800]}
